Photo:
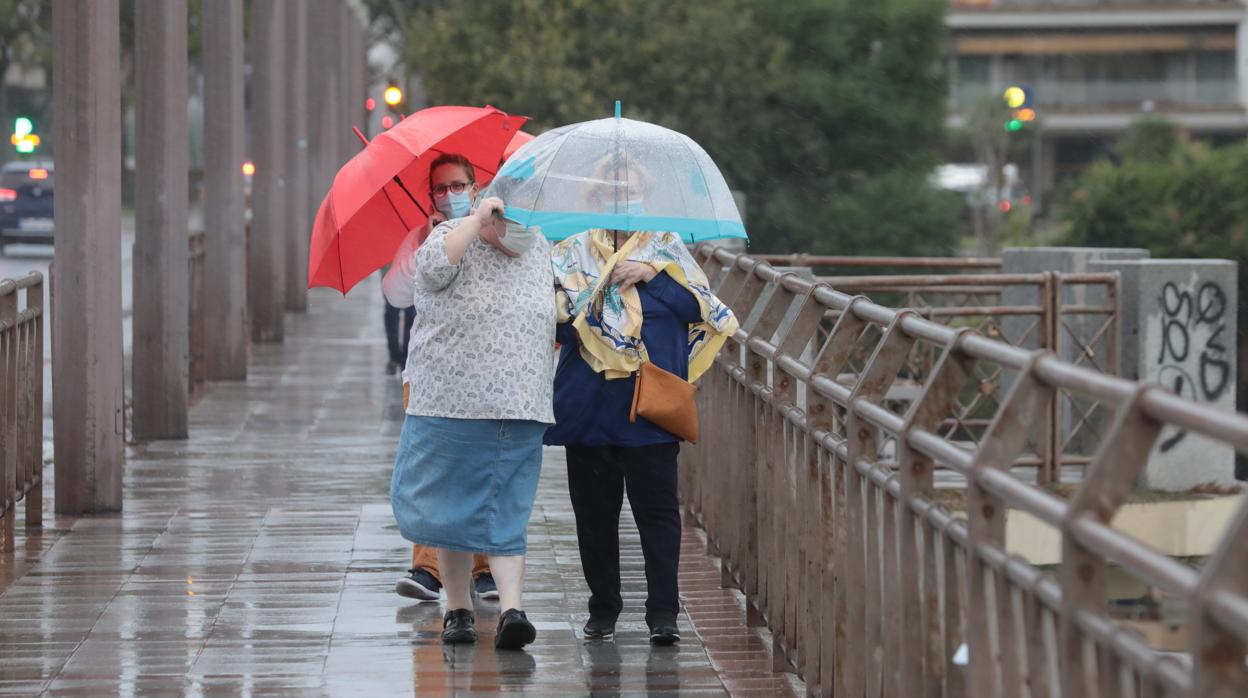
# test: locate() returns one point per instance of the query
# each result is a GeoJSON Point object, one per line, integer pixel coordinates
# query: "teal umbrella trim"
{"type": "Point", "coordinates": [559, 225]}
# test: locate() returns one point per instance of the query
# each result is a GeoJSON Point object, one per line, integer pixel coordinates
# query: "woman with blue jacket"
{"type": "Point", "coordinates": [623, 299]}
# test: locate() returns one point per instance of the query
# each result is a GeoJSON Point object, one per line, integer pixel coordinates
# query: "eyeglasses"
{"type": "Point", "coordinates": [454, 187]}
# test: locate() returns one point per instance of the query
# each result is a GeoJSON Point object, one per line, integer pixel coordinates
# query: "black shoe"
{"type": "Point", "coordinates": [418, 584]}
{"type": "Point", "coordinates": [514, 630]}
{"type": "Point", "coordinates": [457, 627]}
{"type": "Point", "coordinates": [600, 628]}
{"type": "Point", "coordinates": [663, 630]}
{"type": "Point", "coordinates": [484, 585]}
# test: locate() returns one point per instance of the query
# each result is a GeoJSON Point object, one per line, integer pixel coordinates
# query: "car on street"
{"type": "Point", "coordinates": [26, 190]}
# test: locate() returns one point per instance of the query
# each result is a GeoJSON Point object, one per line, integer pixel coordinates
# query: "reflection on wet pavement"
{"type": "Point", "coordinates": [259, 557]}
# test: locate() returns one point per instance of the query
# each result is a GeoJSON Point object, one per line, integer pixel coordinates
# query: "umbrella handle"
{"type": "Point", "coordinates": [360, 135]}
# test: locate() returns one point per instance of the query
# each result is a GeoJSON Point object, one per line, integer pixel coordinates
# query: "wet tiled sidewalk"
{"type": "Point", "coordinates": [259, 557]}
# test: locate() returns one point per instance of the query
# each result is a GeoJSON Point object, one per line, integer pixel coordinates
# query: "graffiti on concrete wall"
{"type": "Point", "coordinates": [1193, 356]}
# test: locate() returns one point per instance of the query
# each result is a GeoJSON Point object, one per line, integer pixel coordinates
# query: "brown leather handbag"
{"type": "Point", "coordinates": [665, 399]}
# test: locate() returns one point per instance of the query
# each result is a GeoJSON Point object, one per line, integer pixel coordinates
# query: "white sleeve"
{"type": "Point", "coordinates": [399, 283]}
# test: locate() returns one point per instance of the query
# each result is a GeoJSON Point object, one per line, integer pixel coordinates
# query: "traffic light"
{"type": "Point", "coordinates": [370, 104]}
{"type": "Point", "coordinates": [1020, 100]}
{"type": "Point", "coordinates": [393, 96]}
{"type": "Point", "coordinates": [24, 138]}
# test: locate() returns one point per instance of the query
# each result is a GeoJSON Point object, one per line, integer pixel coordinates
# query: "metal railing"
{"type": "Point", "coordinates": [21, 404]}
{"type": "Point", "coordinates": [825, 515]}
{"type": "Point", "coordinates": [1077, 316]}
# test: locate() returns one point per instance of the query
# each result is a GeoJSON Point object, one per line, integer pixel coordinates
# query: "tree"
{"type": "Point", "coordinates": [1175, 198]}
{"type": "Point", "coordinates": [25, 41]}
{"type": "Point", "coordinates": [801, 103]}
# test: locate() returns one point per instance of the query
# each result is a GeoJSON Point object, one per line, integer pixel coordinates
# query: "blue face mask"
{"type": "Point", "coordinates": [454, 205]}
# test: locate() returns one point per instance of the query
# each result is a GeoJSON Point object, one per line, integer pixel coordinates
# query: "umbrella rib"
{"type": "Point", "coordinates": [705, 181]}
{"type": "Point", "coordinates": [554, 156]}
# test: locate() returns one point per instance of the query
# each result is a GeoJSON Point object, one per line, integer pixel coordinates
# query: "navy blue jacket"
{"type": "Point", "coordinates": [593, 411]}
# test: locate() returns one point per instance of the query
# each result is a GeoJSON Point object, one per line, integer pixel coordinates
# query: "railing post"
{"type": "Point", "coordinates": [776, 478]}
{"type": "Point", "coordinates": [161, 300]}
{"type": "Point", "coordinates": [1218, 653]}
{"type": "Point", "coordinates": [87, 354]}
{"type": "Point", "coordinates": [838, 645]}
{"type": "Point", "coordinates": [10, 448]}
{"type": "Point", "coordinates": [1083, 575]}
{"type": "Point", "coordinates": [990, 675]}
{"type": "Point", "coordinates": [921, 652]}
{"type": "Point", "coordinates": [806, 517]}
{"type": "Point", "coordinates": [876, 537]}
{"type": "Point", "coordinates": [34, 412]}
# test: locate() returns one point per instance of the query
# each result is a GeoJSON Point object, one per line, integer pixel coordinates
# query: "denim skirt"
{"type": "Point", "coordinates": [467, 484]}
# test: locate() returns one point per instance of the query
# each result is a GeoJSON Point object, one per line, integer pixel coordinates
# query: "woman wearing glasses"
{"type": "Point", "coordinates": [481, 370]}
{"type": "Point", "coordinates": [452, 181]}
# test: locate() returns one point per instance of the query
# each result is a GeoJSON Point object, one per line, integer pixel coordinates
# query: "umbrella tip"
{"type": "Point", "coordinates": [617, 108]}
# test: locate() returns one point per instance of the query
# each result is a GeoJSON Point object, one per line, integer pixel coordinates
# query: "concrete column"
{"type": "Point", "coordinates": [87, 354]}
{"type": "Point", "coordinates": [266, 244]}
{"type": "Point", "coordinates": [1179, 329]}
{"type": "Point", "coordinates": [325, 117]}
{"type": "Point", "coordinates": [318, 111]}
{"type": "Point", "coordinates": [225, 257]}
{"type": "Point", "coordinates": [344, 91]}
{"type": "Point", "coordinates": [297, 215]}
{"type": "Point", "coordinates": [161, 347]}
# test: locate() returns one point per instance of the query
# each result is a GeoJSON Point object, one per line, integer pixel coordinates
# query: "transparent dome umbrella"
{"type": "Point", "coordinates": [617, 174]}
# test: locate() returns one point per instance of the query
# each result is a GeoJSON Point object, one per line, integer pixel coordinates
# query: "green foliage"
{"type": "Point", "coordinates": [804, 104]}
{"type": "Point", "coordinates": [1193, 203]}
{"type": "Point", "coordinates": [1150, 140]}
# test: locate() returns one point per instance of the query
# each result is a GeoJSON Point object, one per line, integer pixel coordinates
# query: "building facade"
{"type": "Point", "coordinates": [1096, 66]}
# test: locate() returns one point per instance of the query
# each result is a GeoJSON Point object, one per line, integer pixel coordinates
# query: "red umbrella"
{"type": "Point", "coordinates": [517, 141]}
{"type": "Point", "coordinates": [383, 192]}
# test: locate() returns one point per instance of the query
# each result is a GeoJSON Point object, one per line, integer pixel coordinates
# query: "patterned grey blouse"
{"type": "Point", "coordinates": [482, 346]}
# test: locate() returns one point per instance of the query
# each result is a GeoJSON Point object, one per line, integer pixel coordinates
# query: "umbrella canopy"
{"type": "Point", "coordinates": [618, 174]}
{"type": "Point", "coordinates": [383, 192]}
{"type": "Point", "coordinates": [517, 141]}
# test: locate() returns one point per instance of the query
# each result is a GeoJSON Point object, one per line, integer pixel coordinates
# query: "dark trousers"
{"type": "Point", "coordinates": [396, 336]}
{"type": "Point", "coordinates": [598, 477]}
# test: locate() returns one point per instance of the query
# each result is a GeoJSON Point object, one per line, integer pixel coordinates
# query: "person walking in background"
{"type": "Point", "coordinates": [470, 453]}
{"type": "Point", "coordinates": [396, 334]}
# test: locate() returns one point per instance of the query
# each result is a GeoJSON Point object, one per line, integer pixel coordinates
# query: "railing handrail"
{"type": "Point", "coordinates": [22, 282]}
{"type": "Point", "coordinates": [808, 260]}
{"type": "Point", "coordinates": [1164, 406]}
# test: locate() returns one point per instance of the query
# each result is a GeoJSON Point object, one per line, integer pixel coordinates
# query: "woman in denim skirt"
{"type": "Point", "coordinates": [471, 448]}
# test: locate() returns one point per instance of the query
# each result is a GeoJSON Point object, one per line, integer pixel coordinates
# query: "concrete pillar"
{"type": "Point", "coordinates": [323, 113]}
{"type": "Point", "coordinates": [1179, 329]}
{"type": "Point", "coordinates": [225, 256]}
{"type": "Point", "coordinates": [297, 212]}
{"type": "Point", "coordinates": [266, 244]}
{"type": "Point", "coordinates": [343, 98]}
{"type": "Point", "coordinates": [161, 347]}
{"type": "Point", "coordinates": [87, 354]}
